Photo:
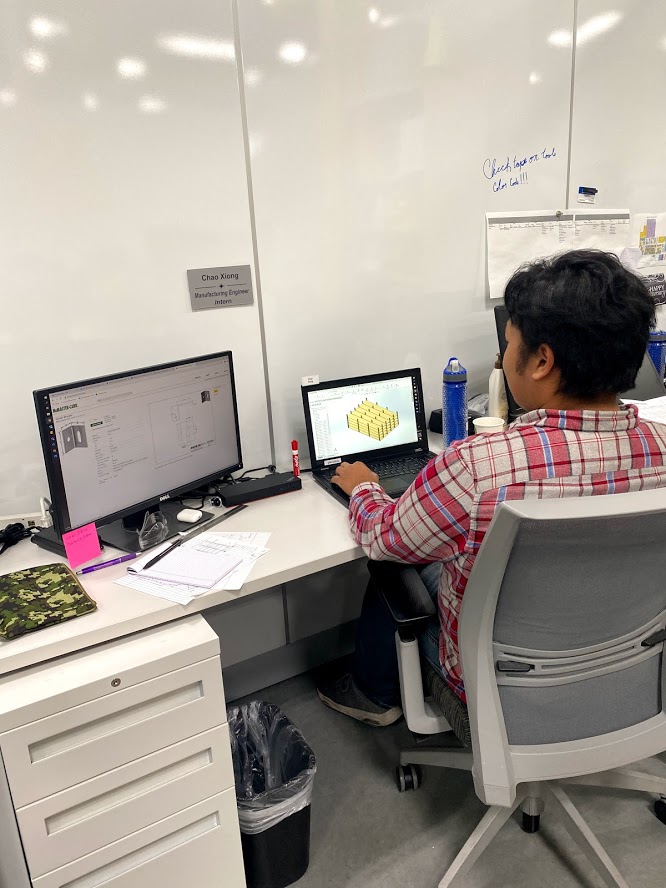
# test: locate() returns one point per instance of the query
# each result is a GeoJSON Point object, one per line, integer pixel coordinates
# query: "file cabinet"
{"type": "Point", "coordinates": [117, 766]}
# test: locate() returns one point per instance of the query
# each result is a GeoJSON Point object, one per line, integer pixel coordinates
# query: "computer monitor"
{"type": "Point", "coordinates": [118, 446]}
{"type": "Point", "coordinates": [648, 384]}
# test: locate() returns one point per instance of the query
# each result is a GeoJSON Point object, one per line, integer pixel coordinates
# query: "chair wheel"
{"type": "Point", "coordinates": [530, 823]}
{"type": "Point", "coordinates": [660, 809]}
{"type": "Point", "coordinates": [408, 777]}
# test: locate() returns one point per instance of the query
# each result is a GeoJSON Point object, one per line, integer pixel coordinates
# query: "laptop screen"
{"type": "Point", "coordinates": [347, 418]}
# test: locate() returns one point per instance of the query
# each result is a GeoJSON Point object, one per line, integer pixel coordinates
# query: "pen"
{"type": "Point", "coordinates": [294, 459]}
{"type": "Point", "coordinates": [119, 560]}
{"type": "Point", "coordinates": [192, 533]}
{"type": "Point", "coordinates": [164, 552]}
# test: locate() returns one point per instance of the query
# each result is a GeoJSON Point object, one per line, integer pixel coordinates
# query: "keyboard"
{"type": "Point", "coordinates": [402, 465]}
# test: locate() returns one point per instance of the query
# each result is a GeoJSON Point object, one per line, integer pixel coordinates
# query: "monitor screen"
{"type": "Point", "coordinates": [116, 444]}
{"type": "Point", "coordinates": [374, 413]}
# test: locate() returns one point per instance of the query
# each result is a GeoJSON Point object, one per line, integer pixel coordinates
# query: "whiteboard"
{"type": "Point", "coordinates": [105, 202]}
{"type": "Point", "coordinates": [618, 130]}
{"type": "Point", "coordinates": [378, 135]}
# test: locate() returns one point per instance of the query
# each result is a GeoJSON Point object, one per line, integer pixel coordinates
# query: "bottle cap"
{"type": "Point", "coordinates": [454, 371]}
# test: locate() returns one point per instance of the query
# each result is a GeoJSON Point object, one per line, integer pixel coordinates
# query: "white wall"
{"type": "Point", "coordinates": [369, 190]}
{"type": "Point", "coordinates": [102, 211]}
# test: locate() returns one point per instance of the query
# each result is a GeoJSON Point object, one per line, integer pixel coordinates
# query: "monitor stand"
{"type": "Point", "coordinates": [123, 534]}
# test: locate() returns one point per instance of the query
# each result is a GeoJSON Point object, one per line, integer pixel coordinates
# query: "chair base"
{"type": "Point", "coordinates": [531, 798]}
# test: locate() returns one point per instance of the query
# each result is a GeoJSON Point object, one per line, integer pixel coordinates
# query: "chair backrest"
{"type": "Point", "coordinates": [562, 672]}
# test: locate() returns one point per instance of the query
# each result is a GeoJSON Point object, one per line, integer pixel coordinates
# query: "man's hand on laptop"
{"type": "Point", "coordinates": [348, 475]}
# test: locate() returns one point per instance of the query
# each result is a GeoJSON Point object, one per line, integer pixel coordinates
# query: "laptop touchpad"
{"type": "Point", "coordinates": [397, 486]}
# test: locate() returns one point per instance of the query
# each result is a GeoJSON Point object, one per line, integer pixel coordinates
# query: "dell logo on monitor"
{"type": "Point", "coordinates": [165, 496]}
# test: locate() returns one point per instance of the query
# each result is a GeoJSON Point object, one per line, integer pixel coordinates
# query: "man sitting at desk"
{"type": "Point", "coordinates": [577, 332]}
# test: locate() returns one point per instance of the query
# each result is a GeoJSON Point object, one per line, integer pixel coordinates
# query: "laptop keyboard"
{"type": "Point", "coordinates": [394, 468]}
{"type": "Point", "coordinates": [403, 465]}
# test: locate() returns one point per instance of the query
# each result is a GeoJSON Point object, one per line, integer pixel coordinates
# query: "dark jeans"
{"type": "Point", "coordinates": [375, 667]}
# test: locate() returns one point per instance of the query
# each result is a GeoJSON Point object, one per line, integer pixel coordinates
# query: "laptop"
{"type": "Point", "coordinates": [378, 419]}
{"type": "Point", "coordinates": [648, 384]}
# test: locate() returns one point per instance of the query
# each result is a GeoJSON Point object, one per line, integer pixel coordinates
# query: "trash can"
{"type": "Point", "coordinates": [274, 770]}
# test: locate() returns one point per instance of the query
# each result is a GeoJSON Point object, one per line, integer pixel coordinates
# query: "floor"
{"type": "Point", "coordinates": [367, 835]}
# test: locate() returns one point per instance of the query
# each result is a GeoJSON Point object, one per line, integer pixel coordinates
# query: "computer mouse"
{"type": "Point", "coordinates": [189, 516]}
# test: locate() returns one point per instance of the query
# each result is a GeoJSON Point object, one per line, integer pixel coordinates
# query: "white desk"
{"type": "Point", "coordinates": [309, 533]}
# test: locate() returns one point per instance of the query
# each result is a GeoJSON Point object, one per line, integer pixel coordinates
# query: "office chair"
{"type": "Point", "coordinates": [562, 635]}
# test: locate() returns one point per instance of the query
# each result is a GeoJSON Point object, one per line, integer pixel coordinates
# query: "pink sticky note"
{"type": "Point", "coordinates": [81, 545]}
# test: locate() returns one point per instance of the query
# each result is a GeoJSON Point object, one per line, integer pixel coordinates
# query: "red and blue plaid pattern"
{"type": "Point", "coordinates": [446, 512]}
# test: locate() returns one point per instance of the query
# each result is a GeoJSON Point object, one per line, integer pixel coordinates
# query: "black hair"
{"type": "Point", "coordinates": [594, 314]}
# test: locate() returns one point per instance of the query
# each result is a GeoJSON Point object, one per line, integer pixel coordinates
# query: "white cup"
{"type": "Point", "coordinates": [487, 425]}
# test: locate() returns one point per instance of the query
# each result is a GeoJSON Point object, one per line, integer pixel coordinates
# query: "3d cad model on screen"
{"type": "Point", "coordinates": [373, 420]}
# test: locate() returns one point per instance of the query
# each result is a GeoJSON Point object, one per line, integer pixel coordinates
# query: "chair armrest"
{"type": "Point", "coordinates": [403, 593]}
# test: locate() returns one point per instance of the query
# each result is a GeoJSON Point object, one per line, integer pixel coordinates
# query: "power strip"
{"type": "Point", "coordinates": [27, 519]}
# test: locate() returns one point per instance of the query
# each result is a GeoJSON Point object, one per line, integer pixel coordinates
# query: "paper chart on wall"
{"type": "Point", "coordinates": [519, 237]}
{"type": "Point", "coordinates": [646, 253]}
{"type": "Point", "coordinates": [648, 240]}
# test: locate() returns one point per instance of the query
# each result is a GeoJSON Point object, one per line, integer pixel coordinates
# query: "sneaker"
{"type": "Point", "coordinates": [343, 696]}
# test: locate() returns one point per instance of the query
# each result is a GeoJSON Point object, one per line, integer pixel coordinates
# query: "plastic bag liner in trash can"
{"type": "Point", "coordinates": [274, 770]}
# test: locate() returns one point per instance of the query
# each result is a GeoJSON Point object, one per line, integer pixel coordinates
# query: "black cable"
{"type": "Point", "coordinates": [271, 471]}
{"type": "Point", "coordinates": [13, 534]}
{"type": "Point", "coordinates": [181, 500]}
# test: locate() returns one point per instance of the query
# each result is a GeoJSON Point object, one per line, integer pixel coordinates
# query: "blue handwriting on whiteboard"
{"type": "Point", "coordinates": [507, 172]}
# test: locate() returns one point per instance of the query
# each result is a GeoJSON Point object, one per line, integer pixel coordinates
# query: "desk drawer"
{"type": "Point", "coordinates": [60, 751]}
{"type": "Point", "coordinates": [86, 817]}
{"type": "Point", "coordinates": [199, 847]}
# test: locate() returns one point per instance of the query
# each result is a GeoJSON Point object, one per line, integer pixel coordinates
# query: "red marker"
{"type": "Point", "coordinates": [294, 459]}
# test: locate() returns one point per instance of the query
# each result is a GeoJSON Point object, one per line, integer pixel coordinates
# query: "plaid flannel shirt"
{"type": "Point", "coordinates": [446, 512]}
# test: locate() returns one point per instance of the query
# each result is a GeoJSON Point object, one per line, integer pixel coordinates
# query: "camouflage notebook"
{"type": "Point", "coordinates": [39, 597]}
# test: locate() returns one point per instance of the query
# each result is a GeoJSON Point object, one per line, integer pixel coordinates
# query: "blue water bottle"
{"type": "Point", "coordinates": [657, 350]}
{"type": "Point", "coordinates": [454, 402]}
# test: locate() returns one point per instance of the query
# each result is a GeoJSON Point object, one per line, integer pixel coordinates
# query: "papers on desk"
{"type": "Point", "coordinates": [211, 560]}
{"type": "Point", "coordinates": [653, 410]}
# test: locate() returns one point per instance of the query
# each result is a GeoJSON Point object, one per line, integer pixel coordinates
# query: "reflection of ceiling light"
{"type": "Point", "coordinates": [90, 102]}
{"type": "Point", "coordinates": [534, 78]}
{"type": "Point", "coordinates": [293, 53]}
{"type": "Point", "coordinates": [597, 25]}
{"type": "Point", "coordinates": [560, 38]}
{"type": "Point", "coordinates": [44, 28]}
{"type": "Point", "coordinates": [198, 47]}
{"type": "Point", "coordinates": [253, 76]}
{"type": "Point", "coordinates": [590, 29]}
{"type": "Point", "coordinates": [7, 97]}
{"type": "Point", "coordinates": [132, 69]}
{"type": "Point", "coordinates": [388, 21]}
{"type": "Point", "coordinates": [373, 15]}
{"type": "Point", "coordinates": [268, 2]}
{"type": "Point", "coordinates": [35, 60]}
{"type": "Point", "coordinates": [152, 104]}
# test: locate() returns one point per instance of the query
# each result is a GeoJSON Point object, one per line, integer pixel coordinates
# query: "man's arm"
{"type": "Point", "coordinates": [429, 522]}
